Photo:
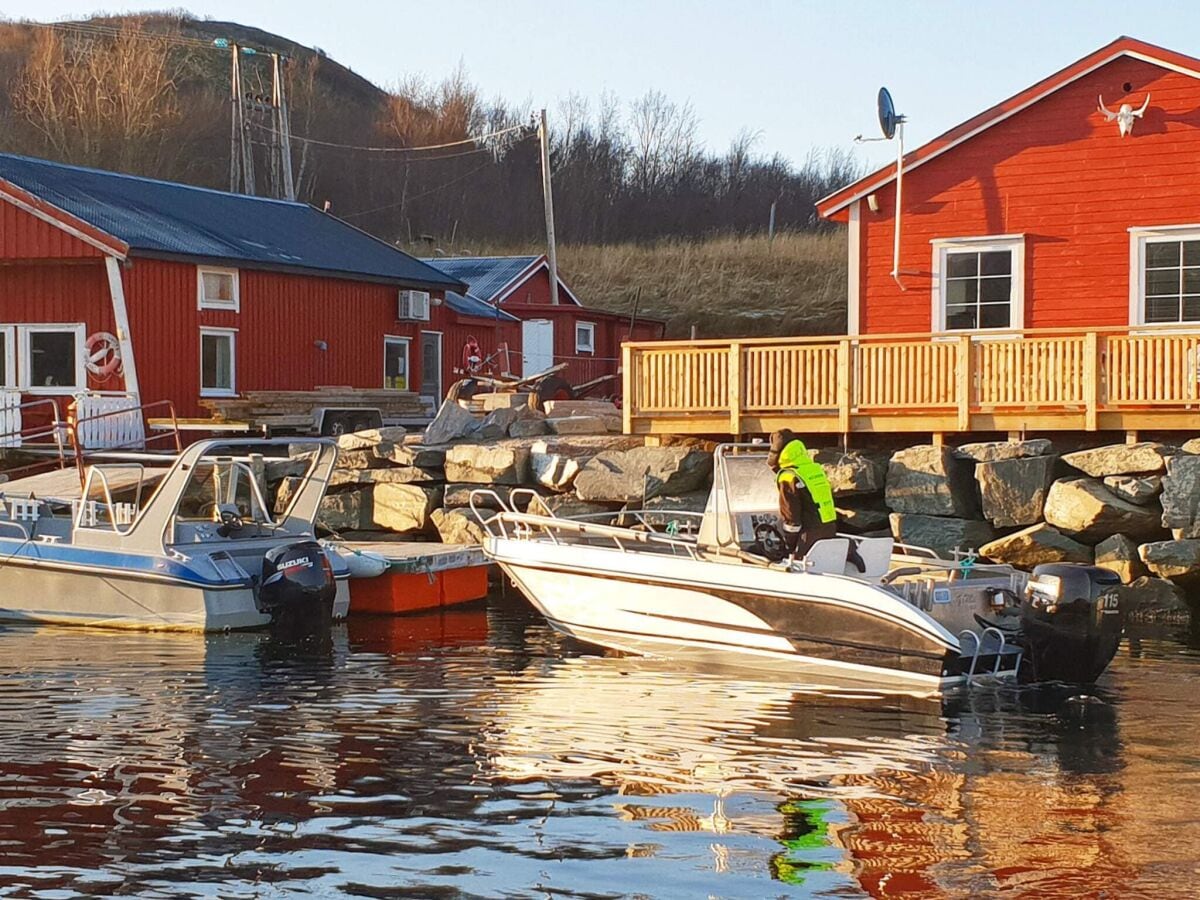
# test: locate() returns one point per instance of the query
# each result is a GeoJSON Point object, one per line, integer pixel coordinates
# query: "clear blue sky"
{"type": "Point", "coordinates": [802, 73]}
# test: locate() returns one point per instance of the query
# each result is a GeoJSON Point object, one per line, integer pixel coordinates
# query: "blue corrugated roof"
{"type": "Point", "coordinates": [485, 276]}
{"type": "Point", "coordinates": [170, 219]}
{"type": "Point", "coordinates": [470, 305]}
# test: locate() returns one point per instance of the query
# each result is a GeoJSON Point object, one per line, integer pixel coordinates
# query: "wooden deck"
{"type": "Point", "coordinates": [63, 484]}
{"type": "Point", "coordinates": [1116, 379]}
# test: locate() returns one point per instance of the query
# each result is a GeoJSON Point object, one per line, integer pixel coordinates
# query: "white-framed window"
{"type": "Point", "coordinates": [585, 337]}
{"type": "Point", "coordinates": [413, 305]}
{"type": "Point", "coordinates": [50, 358]}
{"type": "Point", "coordinates": [8, 357]}
{"type": "Point", "coordinates": [217, 289]}
{"type": "Point", "coordinates": [1164, 275]}
{"type": "Point", "coordinates": [395, 363]}
{"type": "Point", "coordinates": [218, 362]}
{"type": "Point", "coordinates": [979, 283]}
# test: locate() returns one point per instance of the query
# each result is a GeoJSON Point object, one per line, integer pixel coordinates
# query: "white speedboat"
{"type": "Point", "coordinates": [195, 545]}
{"type": "Point", "coordinates": [715, 595]}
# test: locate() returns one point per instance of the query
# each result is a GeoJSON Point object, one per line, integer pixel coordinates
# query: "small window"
{"type": "Point", "coordinates": [218, 362]}
{"type": "Point", "coordinates": [395, 364]}
{"type": "Point", "coordinates": [979, 284]}
{"type": "Point", "coordinates": [1170, 279]}
{"type": "Point", "coordinates": [52, 359]}
{"type": "Point", "coordinates": [218, 289]}
{"type": "Point", "coordinates": [8, 358]}
{"type": "Point", "coordinates": [585, 337]}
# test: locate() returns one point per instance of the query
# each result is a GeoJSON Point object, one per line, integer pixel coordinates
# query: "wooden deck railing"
{"type": "Point", "coordinates": [1054, 379]}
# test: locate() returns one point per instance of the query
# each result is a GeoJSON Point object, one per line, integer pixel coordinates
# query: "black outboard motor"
{"type": "Point", "coordinates": [1071, 622]}
{"type": "Point", "coordinates": [297, 586]}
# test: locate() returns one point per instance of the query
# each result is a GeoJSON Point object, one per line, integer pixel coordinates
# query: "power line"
{"type": "Point", "coordinates": [93, 29]}
{"type": "Point", "coordinates": [471, 140]}
{"type": "Point", "coordinates": [440, 187]}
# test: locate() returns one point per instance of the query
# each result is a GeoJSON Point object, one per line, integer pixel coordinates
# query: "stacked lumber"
{"type": "Point", "coordinates": [481, 404]}
{"type": "Point", "coordinates": [296, 409]}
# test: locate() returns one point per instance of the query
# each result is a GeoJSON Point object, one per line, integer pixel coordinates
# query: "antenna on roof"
{"type": "Point", "coordinates": [891, 124]}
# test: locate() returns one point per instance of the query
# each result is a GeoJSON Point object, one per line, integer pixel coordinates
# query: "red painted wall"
{"type": "Point", "coordinates": [24, 236]}
{"type": "Point", "coordinates": [1061, 175]}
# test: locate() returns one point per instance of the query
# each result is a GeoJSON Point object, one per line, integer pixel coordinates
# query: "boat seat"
{"type": "Point", "coordinates": [827, 557]}
{"type": "Point", "coordinates": [876, 554]}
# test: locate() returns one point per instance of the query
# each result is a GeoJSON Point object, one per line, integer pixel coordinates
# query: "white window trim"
{"type": "Point", "coordinates": [407, 341]}
{"type": "Point", "coordinates": [8, 377]}
{"type": "Point", "coordinates": [25, 358]}
{"type": "Point", "coordinates": [201, 303]}
{"type": "Point", "coordinates": [982, 243]}
{"type": "Point", "coordinates": [591, 330]}
{"type": "Point", "coordinates": [232, 333]}
{"type": "Point", "coordinates": [1139, 235]}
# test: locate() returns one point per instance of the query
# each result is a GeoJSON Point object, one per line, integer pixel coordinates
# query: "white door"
{"type": "Point", "coordinates": [537, 346]}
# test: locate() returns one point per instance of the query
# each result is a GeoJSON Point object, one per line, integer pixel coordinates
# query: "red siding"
{"type": "Point", "coordinates": [25, 236]}
{"type": "Point", "coordinates": [534, 290]}
{"type": "Point", "coordinates": [1062, 176]}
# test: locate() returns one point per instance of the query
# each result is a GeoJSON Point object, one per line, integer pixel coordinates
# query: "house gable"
{"type": "Point", "coordinates": [31, 228]}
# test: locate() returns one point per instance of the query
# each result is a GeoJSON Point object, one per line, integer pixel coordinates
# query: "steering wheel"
{"type": "Point", "coordinates": [231, 520]}
{"type": "Point", "coordinates": [770, 540]}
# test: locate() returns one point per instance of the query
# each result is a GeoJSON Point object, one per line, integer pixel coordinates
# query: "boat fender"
{"type": "Point", "coordinates": [360, 563]}
{"type": "Point", "coordinates": [103, 354]}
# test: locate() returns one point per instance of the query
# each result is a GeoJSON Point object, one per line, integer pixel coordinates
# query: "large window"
{"type": "Point", "coordinates": [1168, 278]}
{"type": "Point", "coordinates": [395, 363]}
{"type": "Point", "coordinates": [51, 358]}
{"type": "Point", "coordinates": [217, 289]}
{"type": "Point", "coordinates": [978, 283]}
{"type": "Point", "coordinates": [218, 362]}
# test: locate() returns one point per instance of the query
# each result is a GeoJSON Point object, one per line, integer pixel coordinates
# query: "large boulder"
{"type": "Point", "coordinates": [459, 496]}
{"type": "Point", "coordinates": [568, 505]}
{"type": "Point", "coordinates": [1119, 554]}
{"type": "Point", "coordinates": [852, 472]}
{"type": "Point", "coordinates": [345, 511]}
{"type": "Point", "coordinates": [1036, 545]}
{"type": "Point", "coordinates": [1176, 560]}
{"type": "Point", "coordinates": [664, 509]}
{"type": "Point", "coordinates": [404, 507]}
{"type": "Point", "coordinates": [1014, 490]}
{"type": "Point", "coordinates": [1120, 459]}
{"type": "Point", "coordinates": [930, 481]}
{"type": "Point", "coordinates": [528, 427]}
{"type": "Point", "coordinates": [412, 455]}
{"type": "Point", "coordinates": [994, 451]}
{"type": "Point", "coordinates": [554, 471]}
{"type": "Point", "coordinates": [1088, 511]}
{"type": "Point", "coordinates": [1148, 598]}
{"type": "Point", "coordinates": [864, 518]}
{"type": "Point", "coordinates": [495, 424]}
{"type": "Point", "coordinates": [373, 437]}
{"type": "Point", "coordinates": [365, 458]}
{"type": "Point", "coordinates": [1181, 496]}
{"type": "Point", "coordinates": [452, 423]}
{"type": "Point", "coordinates": [1138, 489]}
{"type": "Point", "coordinates": [395, 475]}
{"type": "Point", "coordinates": [577, 425]}
{"type": "Point", "coordinates": [635, 475]}
{"type": "Point", "coordinates": [455, 526]}
{"type": "Point", "coordinates": [943, 535]}
{"type": "Point", "coordinates": [488, 464]}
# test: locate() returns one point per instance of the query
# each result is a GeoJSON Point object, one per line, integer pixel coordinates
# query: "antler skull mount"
{"type": "Point", "coordinates": [1124, 115]}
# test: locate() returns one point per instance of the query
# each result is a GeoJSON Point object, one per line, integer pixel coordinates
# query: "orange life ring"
{"type": "Point", "coordinates": [103, 354]}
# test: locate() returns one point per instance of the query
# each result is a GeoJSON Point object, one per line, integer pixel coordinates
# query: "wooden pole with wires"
{"type": "Point", "coordinates": [548, 197]}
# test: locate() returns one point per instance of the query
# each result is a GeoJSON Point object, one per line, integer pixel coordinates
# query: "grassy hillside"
{"type": "Point", "coordinates": [725, 286]}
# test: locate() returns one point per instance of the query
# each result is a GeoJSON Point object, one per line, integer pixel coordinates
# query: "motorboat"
{"type": "Point", "coordinates": [194, 544]}
{"type": "Point", "coordinates": [718, 588]}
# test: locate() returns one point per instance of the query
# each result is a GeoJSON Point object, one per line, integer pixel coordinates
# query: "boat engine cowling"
{"type": "Point", "coordinates": [297, 580]}
{"type": "Point", "coordinates": [1071, 622]}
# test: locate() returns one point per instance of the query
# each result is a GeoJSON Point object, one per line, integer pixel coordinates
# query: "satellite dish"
{"type": "Point", "coordinates": [887, 114]}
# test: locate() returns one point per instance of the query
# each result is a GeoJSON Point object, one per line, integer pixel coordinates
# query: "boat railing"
{"type": "Point", "coordinates": [17, 435]}
{"type": "Point", "coordinates": [119, 516]}
{"type": "Point", "coordinates": [84, 424]}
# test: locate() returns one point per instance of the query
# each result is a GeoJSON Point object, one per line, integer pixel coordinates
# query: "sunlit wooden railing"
{"type": "Point", "coordinates": [1053, 379]}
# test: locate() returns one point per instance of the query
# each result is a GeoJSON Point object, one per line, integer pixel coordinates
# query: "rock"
{"type": "Point", "coordinates": [456, 526]}
{"type": "Point", "coordinates": [943, 535]}
{"type": "Point", "coordinates": [452, 423]}
{"type": "Point", "coordinates": [345, 511]}
{"type": "Point", "coordinates": [361, 459]}
{"type": "Point", "coordinates": [488, 464]}
{"type": "Point", "coordinates": [1138, 489]}
{"type": "Point", "coordinates": [1088, 511]}
{"type": "Point", "coordinates": [396, 475]}
{"type": "Point", "coordinates": [862, 519]}
{"type": "Point", "coordinates": [1149, 598]}
{"type": "Point", "coordinates": [995, 451]}
{"type": "Point", "coordinates": [412, 455]}
{"type": "Point", "coordinates": [458, 496]}
{"type": "Point", "coordinates": [1181, 496]}
{"type": "Point", "coordinates": [292, 467]}
{"type": "Point", "coordinates": [1176, 560]}
{"type": "Point", "coordinates": [529, 427]}
{"type": "Point", "coordinates": [1120, 459]}
{"type": "Point", "coordinates": [623, 475]}
{"type": "Point", "coordinates": [1014, 490]}
{"type": "Point", "coordinates": [578, 425]}
{"type": "Point", "coordinates": [404, 507]}
{"type": "Point", "coordinates": [508, 400]}
{"type": "Point", "coordinates": [284, 493]}
{"type": "Point", "coordinates": [663, 510]}
{"type": "Point", "coordinates": [495, 424]}
{"type": "Point", "coordinates": [372, 437]}
{"type": "Point", "coordinates": [613, 424]}
{"type": "Point", "coordinates": [930, 481]}
{"type": "Point", "coordinates": [851, 472]}
{"type": "Point", "coordinates": [1191, 446]}
{"type": "Point", "coordinates": [568, 505]}
{"type": "Point", "coordinates": [553, 470]}
{"type": "Point", "coordinates": [1034, 546]}
{"type": "Point", "coordinates": [1119, 554]}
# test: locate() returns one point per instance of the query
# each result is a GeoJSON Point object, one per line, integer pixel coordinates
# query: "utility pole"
{"type": "Point", "coordinates": [283, 128]}
{"type": "Point", "coordinates": [234, 151]}
{"type": "Point", "coordinates": [771, 225]}
{"type": "Point", "coordinates": [548, 197]}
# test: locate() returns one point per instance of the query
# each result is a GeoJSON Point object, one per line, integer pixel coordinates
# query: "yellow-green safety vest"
{"type": "Point", "coordinates": [795, 463]}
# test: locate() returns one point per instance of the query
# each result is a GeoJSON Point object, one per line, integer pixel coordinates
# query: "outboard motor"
{"type": "Point", "coordinates": [297, 586]}
{"type": "Point", "coordinates": [1071, 622]}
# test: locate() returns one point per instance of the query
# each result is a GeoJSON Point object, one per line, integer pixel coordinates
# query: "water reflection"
{"type": "Point", "coordinates": [477, 754]}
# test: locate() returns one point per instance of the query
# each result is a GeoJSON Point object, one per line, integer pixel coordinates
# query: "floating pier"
{"type": "Point", "coordinates": [420, 577]}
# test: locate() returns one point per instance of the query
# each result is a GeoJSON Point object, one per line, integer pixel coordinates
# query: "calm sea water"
{"type": "Point", "coordinates": [476, 754]}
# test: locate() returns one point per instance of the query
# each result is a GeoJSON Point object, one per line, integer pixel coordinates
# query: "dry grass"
{"type": "Point", "coordinates": [725, 286]}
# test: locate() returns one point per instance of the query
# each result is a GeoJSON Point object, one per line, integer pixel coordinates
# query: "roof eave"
{"type": "Point", "coordinates": [78, 228]}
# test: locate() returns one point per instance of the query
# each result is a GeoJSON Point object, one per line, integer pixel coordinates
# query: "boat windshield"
{"type": "Point", "coordinates": [743, 497]}
{"type": "Point", "coordinates": [223, 485]}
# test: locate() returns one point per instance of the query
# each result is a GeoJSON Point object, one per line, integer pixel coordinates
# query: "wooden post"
{"type": "Point", "coordinates": [963, 383]}
{"type": "Point", "coordinates": [548, 199]}
{"type": "Point", "coordinates": [1091, 383]}
{"type": "Point", "coordinates": [628, 388]}
{"type": "Point", "coordinates": [735, 388]}
{"type": "Point", "coordinates": [843, 390]}
{"type": "Point", "coordinates": [116, 291]}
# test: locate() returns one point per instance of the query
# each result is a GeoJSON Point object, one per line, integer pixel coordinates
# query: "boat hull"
{"type": "Point", "coordinates": [730, 614]}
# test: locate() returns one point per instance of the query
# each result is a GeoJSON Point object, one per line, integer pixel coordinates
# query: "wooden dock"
{"type": "Point", "coordinates": [63, 484]}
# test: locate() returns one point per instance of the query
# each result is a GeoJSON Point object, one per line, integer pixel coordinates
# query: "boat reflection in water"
{"type": "Point", "coordinates": [474, 753]}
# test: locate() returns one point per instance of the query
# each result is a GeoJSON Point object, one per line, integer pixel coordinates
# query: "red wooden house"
{"type": "Point", "coordinates": [115, 283]}
{"type": "Point", "coordinates": [543, 334]}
